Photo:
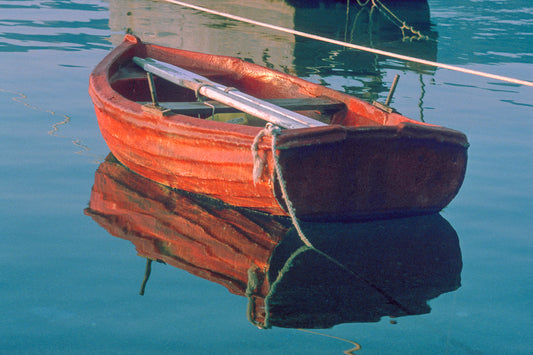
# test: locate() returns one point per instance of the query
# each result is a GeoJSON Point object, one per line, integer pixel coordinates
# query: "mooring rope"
{"type": "Point", "coordinates": [273, 131]}
{"type": "Point", "coordinates": [357, 346]}
{"type": "Point", "coordinates": [398, 22]}
{"type": "Point", "coordinates": [391, 16]}
{"type": "Point", "coordinates": [354, 46]}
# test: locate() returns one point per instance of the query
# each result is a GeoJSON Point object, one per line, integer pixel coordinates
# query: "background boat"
{"type": "Point", "coordinates": [363, 73]}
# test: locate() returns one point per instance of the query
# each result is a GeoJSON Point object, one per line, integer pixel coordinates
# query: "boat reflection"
{"type": "Point", "coordinates": [368, 271]}
{"type": "Point", "coordinates": [359, 272]}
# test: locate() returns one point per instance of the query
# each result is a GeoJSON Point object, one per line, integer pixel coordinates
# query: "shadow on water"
{"type": "Point", "coordinates": [362, 272]}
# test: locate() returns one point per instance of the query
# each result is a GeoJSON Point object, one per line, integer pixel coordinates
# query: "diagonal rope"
{"type": "Point", "coordinates": [399, 22]}
{"type": "Point", "coordinates": [355, 46]}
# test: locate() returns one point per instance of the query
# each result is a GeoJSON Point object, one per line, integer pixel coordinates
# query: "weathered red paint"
{"type": "Point", "coordinates": [367, 163]}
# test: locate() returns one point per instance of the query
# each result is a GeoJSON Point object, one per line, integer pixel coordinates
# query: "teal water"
{"type": "Point", "coordinates": [68, 286]}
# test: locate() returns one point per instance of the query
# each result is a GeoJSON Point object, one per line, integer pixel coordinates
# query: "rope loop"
{"type": "Point", "coordinates": [270, 130]}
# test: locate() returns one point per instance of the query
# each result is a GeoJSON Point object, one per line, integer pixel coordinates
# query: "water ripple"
{"type": "Point", "coordinates": [58, 25]}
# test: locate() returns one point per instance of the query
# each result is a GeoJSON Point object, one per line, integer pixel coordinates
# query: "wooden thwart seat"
{"type": "Point", "coordinates": [203, 87]}
{"type": "Point", "coordinates": [323, 105]}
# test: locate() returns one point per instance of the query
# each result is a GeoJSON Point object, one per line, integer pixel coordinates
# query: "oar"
{"type": "Point", "coordinates": [226, 95]}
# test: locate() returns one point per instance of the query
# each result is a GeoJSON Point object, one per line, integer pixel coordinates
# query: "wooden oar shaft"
{"type": "Point", "coordinates": [229, 96]}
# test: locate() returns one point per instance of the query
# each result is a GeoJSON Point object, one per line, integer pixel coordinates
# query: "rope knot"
{"type": "Point", "coordinates": [270, 130]}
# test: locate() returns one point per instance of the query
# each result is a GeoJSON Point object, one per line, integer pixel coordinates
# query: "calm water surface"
{"type": "Point", "coordinates": [69, 285]}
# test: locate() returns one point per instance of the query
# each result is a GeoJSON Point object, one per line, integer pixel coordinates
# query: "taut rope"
{"type": "Point", "coordinates": [355, 46]}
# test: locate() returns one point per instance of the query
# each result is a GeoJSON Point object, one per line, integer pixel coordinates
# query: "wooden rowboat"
{"type": "Point", "coordinates": [353, 161]}
{"type": "Point", "coordinates": [373, 269]}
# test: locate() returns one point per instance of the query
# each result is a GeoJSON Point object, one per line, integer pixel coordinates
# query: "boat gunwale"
{"type": "Point", "coordinates": [180, 125]}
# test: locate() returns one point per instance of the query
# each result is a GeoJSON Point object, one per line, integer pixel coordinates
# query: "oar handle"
{"type": "Point", "coordinates": [174, 74]}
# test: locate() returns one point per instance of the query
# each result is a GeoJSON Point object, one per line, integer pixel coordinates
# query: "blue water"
{"type": "Point", "coordinates": [68, 286]}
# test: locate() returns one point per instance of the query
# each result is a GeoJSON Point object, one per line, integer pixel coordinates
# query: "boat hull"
{"type": "Point", "coordinates": [383, 171]}
{"type": "Point", "coordinates": [367, 163]}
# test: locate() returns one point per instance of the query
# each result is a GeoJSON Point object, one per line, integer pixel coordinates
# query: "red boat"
{"type": "Point", "coordinates": [348, 160]}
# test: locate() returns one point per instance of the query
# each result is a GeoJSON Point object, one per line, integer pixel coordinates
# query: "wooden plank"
{"type": "Point", "coordinates": [323, 105]}
{"type": "Point", "coordinates": [229, 96]}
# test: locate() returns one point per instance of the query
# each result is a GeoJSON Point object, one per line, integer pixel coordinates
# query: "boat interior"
{"type": "Point", "coordinates": [132, 82]}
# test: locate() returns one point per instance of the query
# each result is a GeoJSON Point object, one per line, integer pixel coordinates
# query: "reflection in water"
{"type": "Point", "coordinates": [171, 25]}
{"type": "Point", "coordinates": [364, 271]}
{"type": "Point", "coordinates": [174, 26]}
{"type": "Point", "coordinates": [365, 26]}
{"type": "Point", "coordinates": [41, 26]}
{"type": "Point", "coordinates": [380, 268]}
{"type": "Point", "coordinates": [54, 131]}
{"type": "Point", "coordinates": [57, 25]}
{"type": "Point", "coordinates": [21, 98]}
